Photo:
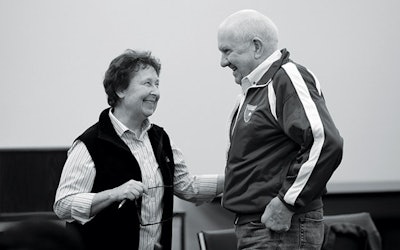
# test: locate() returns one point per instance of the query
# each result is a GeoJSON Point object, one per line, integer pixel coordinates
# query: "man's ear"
{"type": "Point", "coordinates": [258, 47]}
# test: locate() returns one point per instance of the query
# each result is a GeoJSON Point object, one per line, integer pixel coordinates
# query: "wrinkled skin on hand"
{"type": "Point", "coordinates": [277, 217]}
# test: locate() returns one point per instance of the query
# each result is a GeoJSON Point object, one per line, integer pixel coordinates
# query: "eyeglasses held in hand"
{"type": "Point", "coordinates": [145, 223]}
{"type": "Point", "coordinates": [142, 223]}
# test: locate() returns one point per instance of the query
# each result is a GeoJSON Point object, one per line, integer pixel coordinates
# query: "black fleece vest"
{"type": "Point", "coordinates": [115, 228]}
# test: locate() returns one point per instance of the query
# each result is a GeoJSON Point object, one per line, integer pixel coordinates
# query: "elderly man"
{"type": "Point", "coordinates": [284, 145]}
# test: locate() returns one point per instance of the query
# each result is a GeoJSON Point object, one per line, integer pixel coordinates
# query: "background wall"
{"type": "Point", "coordinates": [53, 55]}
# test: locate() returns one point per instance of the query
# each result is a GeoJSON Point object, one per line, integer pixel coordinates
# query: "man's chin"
{"type": "Point", "coordinates": [238, 80]}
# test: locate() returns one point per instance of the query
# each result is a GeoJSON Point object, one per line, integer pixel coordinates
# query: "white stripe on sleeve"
{"type": "Point", "coordinates": [317, 130]}
{"type": "Point", "coordinates": [272, 100]}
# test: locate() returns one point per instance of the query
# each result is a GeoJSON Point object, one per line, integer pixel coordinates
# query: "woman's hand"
{"type": "Point", "coordinates": [130, 190]}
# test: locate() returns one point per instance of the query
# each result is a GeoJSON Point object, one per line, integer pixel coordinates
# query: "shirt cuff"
{"type": "Point", "coordinates": [207, 186]}
{"type": "Point", "coordinates": [81, 206]}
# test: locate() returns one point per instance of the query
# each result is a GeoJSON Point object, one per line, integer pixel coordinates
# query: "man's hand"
{"type": "Point", "coordinates": [277, 217]}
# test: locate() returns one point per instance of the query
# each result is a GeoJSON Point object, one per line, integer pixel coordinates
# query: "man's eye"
{"type": "Point", "coordinates": [226, 51]}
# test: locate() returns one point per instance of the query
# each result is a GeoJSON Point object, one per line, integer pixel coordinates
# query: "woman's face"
{"type": "Point", "coordinates": [141, 97]}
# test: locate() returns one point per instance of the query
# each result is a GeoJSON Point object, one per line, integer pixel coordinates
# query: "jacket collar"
{"type": "Point", "coordinates": [274, 68]}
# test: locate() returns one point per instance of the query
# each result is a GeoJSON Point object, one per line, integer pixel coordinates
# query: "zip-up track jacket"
{"type": "Point", "coordinates": [283, 142]}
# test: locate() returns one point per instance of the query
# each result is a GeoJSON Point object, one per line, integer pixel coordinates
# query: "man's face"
{"type": "Point", "coordinates": [142, 94]}
{"type": "Point", "coordinates": [236, 54]}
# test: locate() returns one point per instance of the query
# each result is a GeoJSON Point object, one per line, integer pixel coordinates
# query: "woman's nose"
{"type": "Point", "coordinates": [155, 91]}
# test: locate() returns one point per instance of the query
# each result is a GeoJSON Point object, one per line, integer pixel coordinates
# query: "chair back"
{"type": "Point", "coordinates": [351, 231]}
{"type": "Point", "coordinates": [222, 239]}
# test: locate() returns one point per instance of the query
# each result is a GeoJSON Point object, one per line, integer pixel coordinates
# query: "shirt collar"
{"type": "Point", "coordinates": [259, 71]}
{"type": "Point", "coordinates": [120, 128]}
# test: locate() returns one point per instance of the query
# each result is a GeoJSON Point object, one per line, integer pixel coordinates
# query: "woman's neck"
{"type": "Point", "coordinates": [133, 123]}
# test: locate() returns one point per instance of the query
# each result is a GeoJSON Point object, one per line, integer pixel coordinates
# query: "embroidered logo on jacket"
{"type": "Point", "coordinates": [248, 112]}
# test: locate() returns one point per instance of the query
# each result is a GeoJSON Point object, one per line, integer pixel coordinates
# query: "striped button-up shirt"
{"type": "Point", "coordinates": [73, 198]}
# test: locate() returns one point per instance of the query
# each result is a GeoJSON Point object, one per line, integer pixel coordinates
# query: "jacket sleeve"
{"type": "Point", "coordinates": [305, 119]}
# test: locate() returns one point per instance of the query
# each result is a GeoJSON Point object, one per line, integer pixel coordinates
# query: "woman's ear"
{"type": "Point", "coordinates": [120, 93]}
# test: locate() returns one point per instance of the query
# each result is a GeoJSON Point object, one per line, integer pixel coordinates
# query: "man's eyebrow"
{"type": "Point", "coordinates": [223, 48]}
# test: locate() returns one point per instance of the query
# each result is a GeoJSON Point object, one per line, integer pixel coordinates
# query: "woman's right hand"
{"type": "Point", "coordinates": [130, 190]}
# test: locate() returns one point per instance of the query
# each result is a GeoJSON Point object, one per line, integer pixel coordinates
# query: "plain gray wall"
{"type": "Point", "coordinates": [53, 55]}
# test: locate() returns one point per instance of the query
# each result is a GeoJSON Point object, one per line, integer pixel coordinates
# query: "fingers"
{"type": "Point", "coordinates": [277, 217]}
{"type": "Point", "coordinates": [279, 228]}
{"type": "Point", "coordinates": [275, 221]}
{"type": "Point", "coordinates": [132, 190]}
{"type": "Point", "coordinates": [145, 190]}
{"type": "Point", "coordinates": [275, 225]}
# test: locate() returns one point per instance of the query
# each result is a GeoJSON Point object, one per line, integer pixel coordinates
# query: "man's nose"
{"type": "Point", "coordinates": [224, 62]}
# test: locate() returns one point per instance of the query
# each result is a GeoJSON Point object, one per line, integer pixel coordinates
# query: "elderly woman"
{"type": "Point", "coordinates": [118, 182]}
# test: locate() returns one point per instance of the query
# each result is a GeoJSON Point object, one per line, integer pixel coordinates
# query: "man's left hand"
{"type": "Point", "coordinates": [277, 217]}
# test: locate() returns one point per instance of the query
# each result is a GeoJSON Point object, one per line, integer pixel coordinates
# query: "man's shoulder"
{"type": "Point", "coordinates": [289, 70]}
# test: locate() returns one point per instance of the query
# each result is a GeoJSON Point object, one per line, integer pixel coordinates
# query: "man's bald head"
{"type": "Point", "coordinates": [248, 24]}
